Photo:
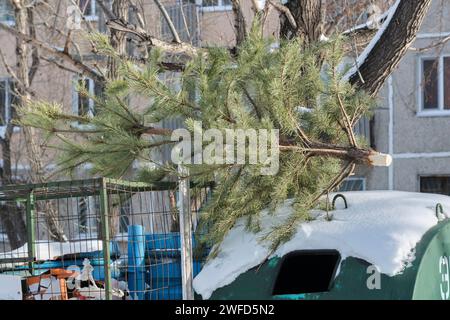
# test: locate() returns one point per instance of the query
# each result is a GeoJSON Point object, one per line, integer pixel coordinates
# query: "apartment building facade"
{"type": "Point", "coordinates": [412, 120]}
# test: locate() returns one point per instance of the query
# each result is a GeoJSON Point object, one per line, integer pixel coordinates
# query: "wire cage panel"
{"type": "Point", "coordinates": [95, 239]}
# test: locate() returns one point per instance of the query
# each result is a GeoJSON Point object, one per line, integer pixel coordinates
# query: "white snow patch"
{"type": "Point", "coordinates": [301, 109]}
{"type": "Point", "coordinates": [3, 132]}
{"type": "Point", "coordinates": [323, 38]}
{"type": "Point", "coordinates": [10, 287]}
{"type": "Point", "coordinates": [363, 56]}
{"type": "Point", "coordinates": [262, 3]}
{"type": "Point", "coordinates": [381, 227]}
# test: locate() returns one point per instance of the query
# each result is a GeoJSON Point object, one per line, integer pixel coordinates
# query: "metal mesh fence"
{"type": "Point", "coordinates": [95, 239]}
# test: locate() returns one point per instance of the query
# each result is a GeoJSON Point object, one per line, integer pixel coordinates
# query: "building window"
{"type": "Point", "coordinates": [213, 5]}
{"type": "Point", "coordinates": [185, 19]}
{"type": "Point", "coordinates": [7, 101]}
{"type": "Point", "coordinates": [434, 86]}
{"type": "Point", "coordinates": [124, 219]}
{"type": "Point", "coordinates": [89, 9]}
{"type": "Point", "coordinates": [82, 105]}
{"type": "Point", "coordinates": [6, 12]}
{"type": "Point", "coordinates": [435, 184]}
{"type": "Point", "coordinates": [353, 184]}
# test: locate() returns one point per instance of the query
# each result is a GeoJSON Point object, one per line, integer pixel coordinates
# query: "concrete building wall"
{"type": "Point", "coordinates": [217, 26]}
{"type": "Point", "coordinates": [418, 141]}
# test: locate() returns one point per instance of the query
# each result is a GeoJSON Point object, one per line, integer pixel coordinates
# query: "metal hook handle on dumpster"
{"type": "Point", "coordinates": [439, 209]}
{"type": "Point", "coordinates": [333, 204]}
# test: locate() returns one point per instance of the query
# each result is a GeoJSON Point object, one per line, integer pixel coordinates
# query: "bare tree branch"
{"type": "Point", "coordinates": [84, 69]}
{"type": "Point", "coordinates": [240, 29]}
{"type": "Point", "coordinates": [285, 10]}
{"type": "Point", "coordinates": [174, 48]}
{"type": "Point", "coordinates": [13, 75]}
{"type": "Point", "coordinates": [106, 10]}
{"type": "Point", "coordinates": [173, 30]}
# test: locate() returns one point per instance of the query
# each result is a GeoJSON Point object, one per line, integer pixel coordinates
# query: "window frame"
{"type": "Point", "coordinates": [10, 23]}
{"type": "Point", "coordinates": [214, 8]}
{"type": "Point", "coordinates": [8, 100]}
{"type": "Point", "coordinates": [94, 14]}
{"type": "Point", "coordinates": [424, 176]}
{"type": "Point", "coordinates": [76, 97]}
{"type": "Point", "coordinates": [362, 179]}
{"type": "Point", "coordinates": [440, 110]}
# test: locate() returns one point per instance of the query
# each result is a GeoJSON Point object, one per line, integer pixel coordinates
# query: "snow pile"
{"type": "Point", "coordinates": [53, 250]}
{"type": "Point", "coordinates": [381, 227]}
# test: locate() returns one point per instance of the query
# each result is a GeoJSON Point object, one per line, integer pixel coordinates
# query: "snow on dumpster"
{"type": "Point", "coordinates": [394, 234]}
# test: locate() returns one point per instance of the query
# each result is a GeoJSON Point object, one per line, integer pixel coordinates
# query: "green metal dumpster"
{"type": "Point", "coordinates": [427, 278]}
{"type": "Point", "coordinates": [322, 274]}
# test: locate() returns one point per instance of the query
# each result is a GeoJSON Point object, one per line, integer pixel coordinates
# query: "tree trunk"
{"type": "Point", "coordinates": [118, 39]}
{"type": "Point", "coordinates": [12, 219]}
{"type": "Point", "coordinates": [24, 24]}
{"type": "Point", "coordinates": [392, 46]}
{"type": "Point", "coordinates": [308, 16]}
{"type": "Point", "coordinates": [240, 29]}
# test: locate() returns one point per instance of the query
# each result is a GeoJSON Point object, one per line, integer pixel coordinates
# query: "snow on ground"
{"type": "Point", "coordinates": [381, 227]}
{"type": "Point", "coordinates": [52, 250]}
{"type": "Point", "coordinates": [10, 287]}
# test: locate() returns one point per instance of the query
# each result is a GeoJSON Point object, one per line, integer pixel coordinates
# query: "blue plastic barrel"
{"type": "Point", "coordinates": [164, 280]}
{"type": "Point", "coordinates": [136, 261]}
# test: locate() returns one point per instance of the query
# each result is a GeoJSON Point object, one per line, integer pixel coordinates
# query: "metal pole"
{"type": "Point", "coordinates": [105, 239]}
{"type": "Point", "coordinates": [31, 229]}
{"type": "Point", "coordinates": [184, 208]}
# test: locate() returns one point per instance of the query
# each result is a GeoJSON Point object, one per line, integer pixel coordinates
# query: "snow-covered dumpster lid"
{"type": "Point", "coordinates": [394, 235]}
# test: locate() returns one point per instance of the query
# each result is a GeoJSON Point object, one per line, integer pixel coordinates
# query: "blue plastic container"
{"type": "Point", "coordinates": [136, 261]}
{"type": "Point", "coordinates": [164, 280]}
{"type": "Point", "coordinates": [163, 276]}
{"type": "Point", "coordinates": [164, 245]}
{"type": "Point", "coordinates": [170, 270]}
